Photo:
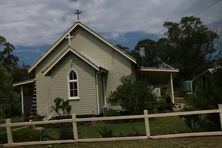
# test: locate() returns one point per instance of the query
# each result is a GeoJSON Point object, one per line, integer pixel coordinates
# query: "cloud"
{"type": "Point", "coordinates": [40, 22]}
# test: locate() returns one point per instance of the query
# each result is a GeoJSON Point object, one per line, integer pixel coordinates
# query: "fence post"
{"type": "Point", "coordinates": [9, 131]}
{"type": "Point", "coordinates": [220, 114]}
{"type": "Point", "coordinates": [147, 125]}
{"type": "Point", "coordinates": [74, 124]}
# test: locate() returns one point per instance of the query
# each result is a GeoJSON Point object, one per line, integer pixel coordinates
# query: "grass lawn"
{"type": "Point", "coordinates": [165, 125]}
{"type": "Point", "coordinates": [168, 125]}
{"type": "Point", "coordinates": [194, 142]}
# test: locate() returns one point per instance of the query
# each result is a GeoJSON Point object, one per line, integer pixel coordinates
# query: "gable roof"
{"type": "Point", "coordinates": [65, 52]}
{"type": "Point", "coordinates": [78, 23]}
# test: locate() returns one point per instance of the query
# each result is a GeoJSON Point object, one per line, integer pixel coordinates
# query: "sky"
{"type": "Point", "coordinates": [33, 25]}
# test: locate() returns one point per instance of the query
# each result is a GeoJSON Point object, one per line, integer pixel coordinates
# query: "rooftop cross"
{"type": "Point", "coordinates": [77, 13]}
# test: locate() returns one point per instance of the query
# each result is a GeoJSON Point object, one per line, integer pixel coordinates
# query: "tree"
{"type": "Point", "coordinates": [133, 96]}
{"type": "Point", "coordinates": [192, 45]}
{"type": "Point", "coordinates": [150, 58]}
{"type": "Point", "coordinates": [123, 48]}
{"type": "Point", "coordinates": [9, 72]}
{"type": "Point", "coordinates": [9, 101]}
{"type": "Point", "coordinates": [20, 73]}
{"type": "Point", "coordinates": [8, 60]}
{"type": "Point", "coordinates": [187, 45]}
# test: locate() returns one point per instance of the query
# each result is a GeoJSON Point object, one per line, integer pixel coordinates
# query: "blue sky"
{"type": "Point", "coordinates": [33, 25]}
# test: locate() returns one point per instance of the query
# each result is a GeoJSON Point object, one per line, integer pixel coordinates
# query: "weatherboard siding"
{"type": "Point", "coordinates": [86, 104]}
{"type": "Point", "coordinates": [86, 81]}
{"type": "Point", "coordinates": [103, 55]}
{"type": "Point", "coordinates": [43, 83]}
{"type": "Point", "coordinates": [98, 52]}
{"type": "Point", "coordinates": [43, 98]}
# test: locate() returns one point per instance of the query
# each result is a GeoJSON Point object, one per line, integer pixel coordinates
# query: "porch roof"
{"type": "Point", "coordinates": [158, 75]}
{"type": "Point", "coordinates": [24, 82]}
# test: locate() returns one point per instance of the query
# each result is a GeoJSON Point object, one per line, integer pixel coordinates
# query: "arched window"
{"type": "Point", "coordinates": [73, 85]}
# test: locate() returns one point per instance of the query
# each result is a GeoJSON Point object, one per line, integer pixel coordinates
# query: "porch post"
{"type": "Point", "coordinates": [171, 89]}
{"type": "Point", "coordinates": [22, 99]}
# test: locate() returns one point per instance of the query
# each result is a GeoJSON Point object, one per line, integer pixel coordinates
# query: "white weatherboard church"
{"type": "Point", "coordinates": [83, 67]}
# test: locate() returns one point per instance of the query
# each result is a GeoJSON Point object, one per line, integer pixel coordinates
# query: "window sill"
{"type": "Point", "coordinates": [73, 98]}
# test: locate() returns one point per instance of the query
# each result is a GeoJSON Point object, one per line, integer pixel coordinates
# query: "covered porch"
{"type": "Point", "coordinates": [160, 76]}
{"type": "Point", "coordinates": [27, 95]}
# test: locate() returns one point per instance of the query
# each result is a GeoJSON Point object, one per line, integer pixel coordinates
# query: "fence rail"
{"type": "Point", "coordinates": [74, 121]}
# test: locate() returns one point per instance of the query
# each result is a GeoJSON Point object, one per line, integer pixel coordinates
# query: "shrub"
{"type": "Point", "coordinates": [164, 104]}
{"type": "Point", "coordinates": [62, 105]}
{"type": "Point", "coordinates": [133, 96]}
{"type": "Point", "coordinates": [207, 96]}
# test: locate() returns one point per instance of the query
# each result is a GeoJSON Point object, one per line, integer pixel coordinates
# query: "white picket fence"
{"type": "Point", "coordinates": [75, 120]}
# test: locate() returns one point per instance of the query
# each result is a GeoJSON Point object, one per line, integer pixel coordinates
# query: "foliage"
{"type": "Point", "coordinates": [193, 42]}
{"type": "Point", "coordinates": [6, 57]}
{"type": "Point", "coordinates": [187, 45]}
{"type": "Point", "coordinates": [20, 73]}
{"type": "Point", "coordinates": [133, 96]}
{"type": "Point", "coordinates": [9, 72]}
{"type": "Point", "coordinates": [106, 132]}
{"type": "Point", "coordinates": [164, 104]}
{"type": "Point", "coordinates": [123, 48]}
{"type": "Point", "coordinates": [150, 58]}
{"type": "Point", "coordinates": [9, 100]}
{"type": "Point", "coordinates": [61, 104]}
{"type": "Point", "coordinates": [207, 96]}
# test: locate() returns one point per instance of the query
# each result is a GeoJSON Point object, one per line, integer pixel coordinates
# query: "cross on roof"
{"type": "Point", "coordinates": [77, 13]}
{"type": "Point", "coordinates": [69, 37]}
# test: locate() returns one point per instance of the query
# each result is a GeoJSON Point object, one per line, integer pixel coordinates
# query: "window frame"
{"type": "Point", "coordinates": [68, 84]}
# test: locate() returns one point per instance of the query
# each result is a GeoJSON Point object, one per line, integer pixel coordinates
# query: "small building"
{"type": "Point", "coordinates": [83, 67]}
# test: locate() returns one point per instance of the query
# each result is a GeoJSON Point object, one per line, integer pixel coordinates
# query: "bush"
{"type": "Point", "coordinates": [61, 104]}
{"type": "Point", "coordinates": [207, 96]}
{"type": "Point", "coordinates": [133, 96]}
{"type": "Point", "coordinates": [164, 105]}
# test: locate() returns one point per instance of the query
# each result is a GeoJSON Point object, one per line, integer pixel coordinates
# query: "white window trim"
{"type": "Point", "coordinates": [68, 85]}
